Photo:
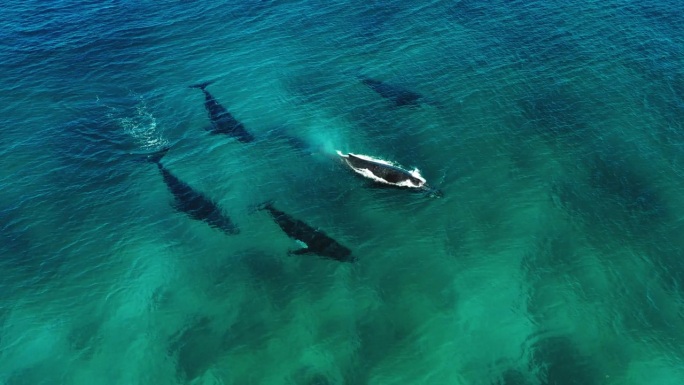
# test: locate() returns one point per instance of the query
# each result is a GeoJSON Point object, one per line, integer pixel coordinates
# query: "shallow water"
{"type": "Point", "coordinates": [554, 129]}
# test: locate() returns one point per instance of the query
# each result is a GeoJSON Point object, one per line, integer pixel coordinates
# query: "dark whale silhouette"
{"type": "Point", "coordinates": [315, 241]}
{"type": "Point", "coordinates": [191, 202]}
{"type": "Point", "coordinates": [387, 173]}
{"type": "Point", "coordinates": [222, 121]}
{"type": "Point", "coordinates": [399, 96]}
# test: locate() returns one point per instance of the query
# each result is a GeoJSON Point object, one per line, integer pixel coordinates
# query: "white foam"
{"type": "Point", "coordinates": [368, 174]}
{"type": "Point", "coordinates": [143, 127]}
{"type": "Point", "coordinates": [376, 160]}
{"type": "Point", "coordinates": [416, 174]}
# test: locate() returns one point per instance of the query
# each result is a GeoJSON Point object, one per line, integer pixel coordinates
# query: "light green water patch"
{"type": "Point", "coordinates": [530, 267]}
{"type": "Point", "coordinates": [311, 330]}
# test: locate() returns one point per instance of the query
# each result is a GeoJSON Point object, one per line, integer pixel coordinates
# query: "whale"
{"type": "Point", "coordinates": [222, 121]}
{"type": "Point", "coordinates": [191, 202]}
{"type": "Point", "coordinates": [387, 173]}
{"type": "Point", "coordinates": [313, 241]}
{"type": "Point", "coordinates": [399, 96]}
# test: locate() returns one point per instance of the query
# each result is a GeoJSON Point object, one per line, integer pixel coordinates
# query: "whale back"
{"type": "Point", "coordinates": [314, 241]}
{"type": "Point", "coordinates": [196, 205]}
{"type": "Point", "coordinates": [382, 171]}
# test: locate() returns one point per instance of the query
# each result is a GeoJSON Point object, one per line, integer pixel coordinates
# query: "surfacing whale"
{"type": "Point", "coordinates": [314, 241]}
{"type": "Point", "coordinates": [386, 172]}
{"type": "Point", "coordinates": [222, 122]}
{"type": "Point", "coordinates": [191, 202]}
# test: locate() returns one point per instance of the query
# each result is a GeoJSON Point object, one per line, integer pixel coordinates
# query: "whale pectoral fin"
{"type": "Point", "coordinates": [202, 85]}
{"type": "Point", "coordinates": [303, 251]}
{"type": "Point", "coordinates": [262, 206]}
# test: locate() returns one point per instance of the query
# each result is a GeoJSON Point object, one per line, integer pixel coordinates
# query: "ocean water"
{"type": "Point", "coordinates": [555, 257]}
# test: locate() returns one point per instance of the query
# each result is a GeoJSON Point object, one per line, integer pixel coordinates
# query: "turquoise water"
{"type": "Point", "coordinates": [556, 255]}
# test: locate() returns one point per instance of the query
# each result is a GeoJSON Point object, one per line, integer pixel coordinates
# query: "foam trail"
{"type": "Point", "coordinates": [142, 126]}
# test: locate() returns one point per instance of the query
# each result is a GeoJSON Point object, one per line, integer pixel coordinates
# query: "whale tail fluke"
{"type": "Point", "coordinates": [202, 85]}
{"type": "Point", "coordinates": [262, 206]}
{"type": "Point", "coordinates": [358, 72]}
{"type": "Point", "coordinates": [157, 156]}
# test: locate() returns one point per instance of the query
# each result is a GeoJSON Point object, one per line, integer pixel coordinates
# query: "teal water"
{"type": "Point", "coordinates": [555, 257]}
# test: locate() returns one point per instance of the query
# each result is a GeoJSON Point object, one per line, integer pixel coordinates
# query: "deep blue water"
{"type": "Point", "coordinates": [554, 129]}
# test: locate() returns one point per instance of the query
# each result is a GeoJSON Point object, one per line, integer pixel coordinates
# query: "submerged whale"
{"type": "Point", "coordinates": [222, 121]}
{"type": "Point", "coordinates": [191, 202]}
{"type": "Point", "coordinates": [314, 241]}
{"type": "Point", "coordinates": [400, 96]}
{"type": "Point", "coordinates": [385, 172]}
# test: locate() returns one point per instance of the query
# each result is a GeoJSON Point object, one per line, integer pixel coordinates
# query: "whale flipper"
{"type": "Point", "coordinates": [157, 156]}
{"type": "Point", "coordinates": [201, 86]}
{"type": "Point", "coordinates": [303, 251]}
{"type": "Point", "coordinates": [264, 205]}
